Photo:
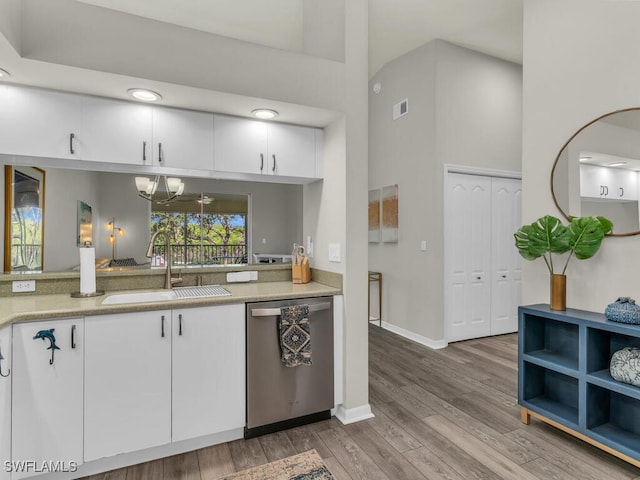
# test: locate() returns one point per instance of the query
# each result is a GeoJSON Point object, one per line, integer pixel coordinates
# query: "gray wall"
{"type": "Point", "coordinates": [570, 79]}
{"type": "Point", "coordinates": [464, 109]}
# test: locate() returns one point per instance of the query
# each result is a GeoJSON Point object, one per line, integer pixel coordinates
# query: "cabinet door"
{"type": "Point", "coordinates": [5, 401]}
{"type": "Point", "coordinates": [40, 123]}
{"type": "Point", "coordinates": [182, 139]}
{"type": "Point", "coordinates": [127, 383]}
{"type": "Point", "coordinates": [116, 132]}
{"type": "Point", "coordinates": [626, 185]}
{"type": "Point", "coordinates": [292, 150]}
{"type": "Point", "coordinates": [208, 370]}
{"type": "Point", "coordinates": [241, 145]}
{"type": "Point", "coordinates": [591, 181]}
{"type": "Point", "coordinates": [506, 288]}
{"type": "Point", "coordinates": [47, 397]}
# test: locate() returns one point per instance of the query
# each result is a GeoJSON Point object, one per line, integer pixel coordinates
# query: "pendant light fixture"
{"type": "Point", "coordinates": [147, 188]}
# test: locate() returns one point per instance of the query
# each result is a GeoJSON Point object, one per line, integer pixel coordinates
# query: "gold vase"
{"type": "Point", "coordinates": [558, 292]}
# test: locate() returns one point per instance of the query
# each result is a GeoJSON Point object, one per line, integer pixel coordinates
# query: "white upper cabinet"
{"type": "Point", "coordinates": [116, 132]}
{"type": "Point", "coordinates": [208, 381]}
{"type": "Point", "coordinates": [47, 392]}
{"type": "Point", "coordinates": [40, 123]}
{"type": "Point", "coordinates": [5, 401]}
{"type": "Point", "coordinates": [608, 183]}
{"type": "Point", "coordinates": [182, 139]}
{"type": "Point", "coordinates": [127, 383]}
{"type": "Point", "coordinates": [263, 148]}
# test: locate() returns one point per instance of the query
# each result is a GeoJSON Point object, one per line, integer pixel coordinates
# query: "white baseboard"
{"type": "Point", "coordinates": [427, 342]}
{"type": "Point", "coordinates": [353, 415]}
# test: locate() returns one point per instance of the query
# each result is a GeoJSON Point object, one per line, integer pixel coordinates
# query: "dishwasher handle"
{"type": "Point", "coordinates": [272, 312]}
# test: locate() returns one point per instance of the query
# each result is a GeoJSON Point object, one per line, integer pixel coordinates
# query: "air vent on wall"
{"type": "Point", "coordinates": [401, 108]}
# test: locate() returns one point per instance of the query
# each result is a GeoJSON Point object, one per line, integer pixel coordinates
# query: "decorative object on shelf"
{"type": "Point", "coordinates": [623, 310]}
{"type": "Point", "coordinates": [148, 189]}
{"type": "Point", "coordinates": [581, 238]}
{"type": "Point", "coordinates": [48, 335]}
{"type": "Point", "coordinates": [625, 366]}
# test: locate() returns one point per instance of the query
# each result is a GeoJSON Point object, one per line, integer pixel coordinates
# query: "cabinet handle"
{"type": "Point", "coordinates": [73, 336]}
{"type": "Point", "coordinates": [606, 190]}
{"type": "Point", "coordinates": [162, 326]}
{"type": "Point", "coordinates": [144, 151]}
{"type": "Point", "coordinates": [261, 161]}
{"type": "Point", "coordinates": [621, 192]}
{"type": "Point", "coordinates": [504, 276]}
{"type": "Point", "coordinates": [274, 164]}
{"type": "Point", "coordinates": [180, 324]}
{"type": "Point", "coordinates": [72, 136]}
{"type": "Point", "coordinates": [601, 190]}
{"type": "Point", "coordinates": [8, 371]}
{"type": "Point", "coordinates": [159, 152]}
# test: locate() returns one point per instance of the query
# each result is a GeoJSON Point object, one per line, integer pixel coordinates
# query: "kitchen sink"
{"type": "Point", "coordinates": [203, 291]}
{"type": "Point", "coordinates": [139, 297]}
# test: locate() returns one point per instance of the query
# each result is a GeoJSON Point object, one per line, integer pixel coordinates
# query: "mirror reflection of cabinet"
{"type": "Point", "coordinates": [596, 171]}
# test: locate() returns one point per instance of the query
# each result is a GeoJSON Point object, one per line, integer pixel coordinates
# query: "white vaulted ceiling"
{"type": "Point", "coordinates": [101, 47]}
{"type": "Point", "coordinates": [395, 26]}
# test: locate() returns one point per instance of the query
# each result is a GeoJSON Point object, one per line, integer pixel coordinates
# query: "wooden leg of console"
{"type": "Point", "coordinates": [525, 417]}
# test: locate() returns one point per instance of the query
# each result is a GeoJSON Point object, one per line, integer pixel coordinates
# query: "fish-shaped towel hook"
{"type": "Point", "coordinates": [48, 335]}
{"type": "Point", "coordinates": [8, 371]}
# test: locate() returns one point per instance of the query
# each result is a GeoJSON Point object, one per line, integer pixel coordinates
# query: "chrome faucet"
{"type": "Point", "coordinates": [168, 280]}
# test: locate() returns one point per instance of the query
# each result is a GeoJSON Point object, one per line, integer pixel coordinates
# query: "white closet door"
{"type": "Point", "coordinates": [506, 290]}
{"type": "Point", "coordinates": [468, 256]}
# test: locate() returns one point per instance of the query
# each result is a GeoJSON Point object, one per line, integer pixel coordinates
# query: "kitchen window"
{"type": "Point", "coordinates": [205, 229]}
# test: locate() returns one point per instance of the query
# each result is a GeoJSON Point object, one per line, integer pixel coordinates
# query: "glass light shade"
{"type": "Point", "coordinates": [180, 189]}
{"type": "Point", "coordinates": [144, 94]}
{"type": "Point", "coordinates": [173, 184]}
{"type": "Point", "coordinates": [142, 183]}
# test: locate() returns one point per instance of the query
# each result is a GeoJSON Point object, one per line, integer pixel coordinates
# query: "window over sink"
{"type": "Point", "coordinates": [205, 229]}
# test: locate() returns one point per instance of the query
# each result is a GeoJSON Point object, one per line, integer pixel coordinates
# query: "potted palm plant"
{"type": "Point", "coordinates": [547, 235]}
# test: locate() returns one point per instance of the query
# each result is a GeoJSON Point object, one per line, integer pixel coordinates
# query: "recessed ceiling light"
{"type": "Point", "coordinates": [144, 94]}
{"type": "Point", "coordinates": [616, 164]}
{"type": "Point", "coordinates": [4, 73]}
{"type": "Point", "coordinates": [584, 159]}
{"type": "Point", "coordinates": [264, 113]}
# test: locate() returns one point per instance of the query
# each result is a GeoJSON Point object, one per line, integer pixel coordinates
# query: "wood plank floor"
{"type": "Point", "coordinates": [440, 414]}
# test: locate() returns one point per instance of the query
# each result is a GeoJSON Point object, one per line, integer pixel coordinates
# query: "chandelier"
{"type": "Point", "coordinates": [147, 188]}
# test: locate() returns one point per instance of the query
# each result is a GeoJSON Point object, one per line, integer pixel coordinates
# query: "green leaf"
{"type": "Point", "coordinates": [586, 234]}
{"type": "Point", "coordinates": [524, 245]}
{"type": "Point", "coordinates": [607, 225]}
{"type": "Point", "coordinates": [548, 234]}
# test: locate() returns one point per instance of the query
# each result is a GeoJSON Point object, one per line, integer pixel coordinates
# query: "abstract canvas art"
{"type": "Point", "coordinates": [389, 214]}
{"type": "Point", "coordinates": [374, 216]}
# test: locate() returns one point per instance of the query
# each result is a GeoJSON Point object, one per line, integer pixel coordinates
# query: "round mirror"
{"type": "Point", "coordinates": [596, 172]}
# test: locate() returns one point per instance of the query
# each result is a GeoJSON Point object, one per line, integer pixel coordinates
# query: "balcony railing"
{"type": "Point", "coordinates": [203, 254]}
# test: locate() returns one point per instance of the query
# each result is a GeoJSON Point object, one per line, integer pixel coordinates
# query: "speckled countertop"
{"type": "Point", "coordinates": [40, 307]}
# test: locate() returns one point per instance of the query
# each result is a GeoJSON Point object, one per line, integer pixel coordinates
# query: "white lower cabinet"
{"type": "Point", "coordinates": [47, 397]}
{"type": "Point", "coordinates": [127, 383]}
{"type": "Point", "coordinates": [208, 370]}
{"type": "Point", "coordinates": [5, 402]}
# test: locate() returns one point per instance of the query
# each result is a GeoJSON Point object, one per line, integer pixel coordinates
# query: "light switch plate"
{"type": "Point", "coordinates": [334, 252]}
{"type": "Point", "coordinates": [423, 245]}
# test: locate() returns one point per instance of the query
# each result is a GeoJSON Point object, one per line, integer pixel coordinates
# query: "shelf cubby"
{"type": "Point", "coordinates": [602, 344]}
{"type": "Point", "coordinates": [554, 393]}
{"type": "Point", "coordinates": [613, 417]}
{"type": "Point", "coordinates": [551, 341]}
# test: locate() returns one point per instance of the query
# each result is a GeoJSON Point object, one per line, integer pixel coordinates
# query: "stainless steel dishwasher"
{"type": "Point", "coordinates": [278, 396]}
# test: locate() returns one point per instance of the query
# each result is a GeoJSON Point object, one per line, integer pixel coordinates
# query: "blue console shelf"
{"type": "Point", "coordinates": [563, 377]}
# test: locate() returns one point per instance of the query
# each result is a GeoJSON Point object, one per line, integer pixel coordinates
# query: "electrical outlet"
{"type": "Point", "coordinates": [334, 252]}
{"type": "Point", "coordinates": [23, 286]}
